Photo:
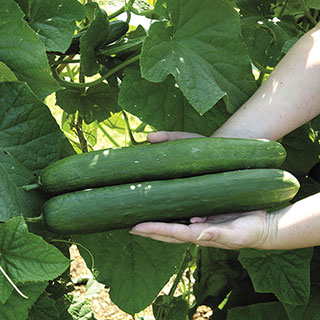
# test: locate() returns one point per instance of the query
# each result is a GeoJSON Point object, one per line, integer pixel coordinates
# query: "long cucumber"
{"type": "Point", "coordinates": [122, 206]}
{"type": "Point", "coordinates": [167, 160]}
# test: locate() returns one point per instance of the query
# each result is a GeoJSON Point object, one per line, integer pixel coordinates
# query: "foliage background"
{"type": "Point", "coordinates": [190, 70]}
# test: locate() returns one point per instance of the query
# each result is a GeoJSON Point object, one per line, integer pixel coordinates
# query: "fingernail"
{"type": "Point", "coordinates": [204, 236]}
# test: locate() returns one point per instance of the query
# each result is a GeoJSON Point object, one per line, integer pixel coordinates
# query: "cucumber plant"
{"type": "Point", "coordinates": [79, 76]}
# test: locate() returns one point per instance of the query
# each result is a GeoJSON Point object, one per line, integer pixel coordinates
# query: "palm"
{"type": "Point", "coordinates": [228, 231]}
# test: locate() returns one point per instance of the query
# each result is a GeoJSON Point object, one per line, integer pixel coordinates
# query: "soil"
{"type": "Point", "coordinates": [103, 307]}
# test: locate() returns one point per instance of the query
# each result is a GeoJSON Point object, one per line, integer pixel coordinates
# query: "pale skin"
{"type": "Point", "coordinates": [289, 98]}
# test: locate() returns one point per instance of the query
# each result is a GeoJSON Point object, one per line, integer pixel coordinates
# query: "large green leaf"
{"type": "Point", "coordinates": [12, 202]}
{"type": "Point", "coordinates": [22, 50]}
{"type": "Point", "coordinates": [163, 105]}
{"type": "Point", "coordinates": [26, 257]}
{"type": "Point", "coordinates": [170, 308]}
{"type": "Point", "coordinates": [54, 21]}
{"type": "Point", "coordinates": [284, 273]}
{"type": "Point", "coordinates": [134, 268]}
{"type": "Point", "coordinates": [17, 307]}
{"type": "Point", "coordinates": [266, 39]}
{"type": "Point", "coordinates": [21, 176]}
{"type": "Point", "coordinates": [96, 103]}
{"type": "Point", "coordinates": [6, 74]}
{"type": "Point", "coordinates": [258, 311]}
{"type": "Point", "coordinates": [27, 129]}
{"type": "Point", "coordinates": [94, 38]}
{"type": "Point", "coordinates": [202, 48]}
{"type": "Point", "coordinates": [310, 311]}
{"type": "Point", "coordinates": [303, 150]}
{"type": "Point", "coordinates": [216, 274]}
{"type": "Point", "coordinates": [44, 309]}
{"type": "Point", "coordinates": [262, 8]}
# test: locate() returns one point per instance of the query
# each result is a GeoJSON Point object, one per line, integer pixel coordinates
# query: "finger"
{"type": "Point", "coordinates": [229, 217]}
{"type": "Point", "coordinates": [198, 219]}
{"type": "Point", "coordinates": [178, 232]}
{"type": "Point", "coordinates": [157, 237]}
{"type": "Point", "coordinates": [162, 136]}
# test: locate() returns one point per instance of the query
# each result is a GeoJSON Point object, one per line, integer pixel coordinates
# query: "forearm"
{"type": "Point", "coordinates": [296, 226]}
{"type": "Point", "coordinates": [289, 98]}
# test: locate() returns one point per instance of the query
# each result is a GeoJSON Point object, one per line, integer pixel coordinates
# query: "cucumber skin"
{"type": "Point", "coordinates": [122, 206]}
{"type": "Point", "coordinates": [118, 28]}
{"type": "Point", "coordinates": [166, 160]}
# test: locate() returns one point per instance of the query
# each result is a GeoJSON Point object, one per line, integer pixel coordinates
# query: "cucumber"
{"type": "Point", "coordinates": [122, 206]}
{"type": "Point", "coordinates": [172, 159]}
{"type": "Point", "coordinates": [118, 28]}
{"type": "Point", "coordinates": [129, 46]}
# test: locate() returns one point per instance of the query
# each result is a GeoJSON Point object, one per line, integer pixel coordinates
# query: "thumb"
{"type": "Point", "coordinates": [162, 136]}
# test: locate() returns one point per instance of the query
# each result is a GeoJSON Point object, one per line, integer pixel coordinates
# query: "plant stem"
{"type": "Point", "coordinates": [78, 245]}
{"type": "Point", "coordinates": [137, 12]}
{"type": "Point", "coordinates": [132, 139]}
{"type": "Point", "coordinates": [82, 139]}
{"type": "Point", "coordinates": [261, 67]}
{"type": "Point", "coordinates": [114, 142]}
{"type": "Point", "coordinates": [95, 82]}
{"type": "Point", "coordinates": [62, 64]}
{"type": "Point", "coordinates": [34, 219]}
{"type": "Point", "coordinates": [307, 12]}
{"type": "Point", "coordinates": [260, 79]}
{"type": "Point", "coordinates": [117, 13]}
{"type": "Point", "coordinates": [183, 265]}
{"type": "Point", "coordinates": [13, 284]}
{"type": "Point", "coordinates": [283, 8]}
{"type": "Point", "coordinates": [30, 187]}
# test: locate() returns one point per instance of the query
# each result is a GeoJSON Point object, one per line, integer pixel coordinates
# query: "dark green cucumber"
{"type": "Point", "coordinates": [128, 46]}
{"type": "Point", "coordinates": [122, 206]}
{"type": "Point", "coordinates": [118, 28]}
{"type": "Point", "coordinates": [172, 159]}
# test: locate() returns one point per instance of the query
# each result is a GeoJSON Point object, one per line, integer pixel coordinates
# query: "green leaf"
{"type": "Point", "coordinates": [27, 257]}
{"type": "Point", "coordinates": [202, 49]}
{"type": "Point", "coordinates": [170, 308]}
{"type": "Point", "coordinates": [284, 273]}
{"type": "Point", "coordinates": [23, 4]}
{"type": "Point", "coordinates": [216, 274]}
{"type": "Point", "coordinates": [266, 39]}
{"type": "Point", "coordinates": [27, 129]}
{"type": "Point", "coordinates": [308, 187]}
{"type": "Point", "coordinates": [262, 8]}
{"type": "Point", "coordinates": [44, 309]}
{"type": "Point", "coordinates": [54, 21]}
{"type": "Point", "coordinates": [242, 294]}
{"type": "Point", "coordinates": [63, 303]}
{"type": "Point", "coordinates": [96, 103]}
{"type": "Point", "coordinates": [95, 37]}
{"type": "Point", "coordinates": [81, 310]}
{"type": "Point", "coordinates": [310, 311]}
{"type": "Point", "coordinates": [6, 74]}
{"type": "Point", "coordinates": [16, 307]}
{"type": "Point", "coordinates": [163, 106]}
{"type": "Point", "coordinates": [315, 4]}
{"type": "Point", "coordinates": [21, 176]}
{"type": "Point", "coordinates": [22, 50]}
{"type": "Point", "coordinates": [258, 311]}
{"type": "Point", "coordinates": [12, 202]}
{"type": "Point", "coordinates": [303, 150]}
{"type": "Point", "coordinates": [74, 308]}
{"type": "Point", "coordinates": [134, 268]}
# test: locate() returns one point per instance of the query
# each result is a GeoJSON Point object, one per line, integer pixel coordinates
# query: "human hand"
{"type": "Point", "coordinates": [226, 231]}
{"type": "Point", "coordinates": [162, 136]}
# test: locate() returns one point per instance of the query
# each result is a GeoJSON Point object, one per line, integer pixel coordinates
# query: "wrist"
{"type": "Point", "coordinates": [269, 235]}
